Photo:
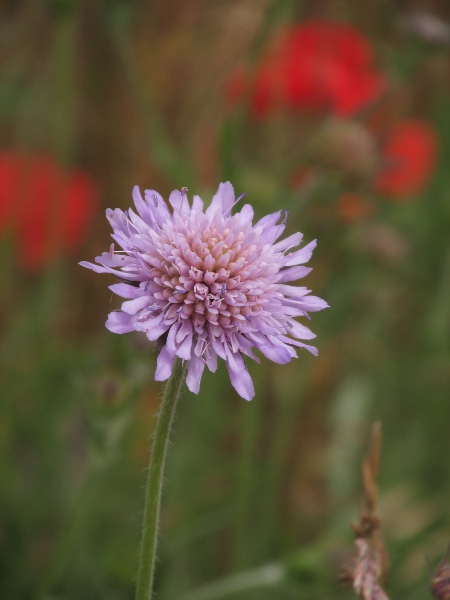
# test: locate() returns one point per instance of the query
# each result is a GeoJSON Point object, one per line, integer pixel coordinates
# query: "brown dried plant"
{"type": "Point", "coordinates": [440, 583]}
{"type": "Point", "coordinates": [369, 564]}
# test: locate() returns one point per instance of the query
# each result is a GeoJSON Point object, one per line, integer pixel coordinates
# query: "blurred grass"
{"type": "Point", "coordinates": [114, 87]}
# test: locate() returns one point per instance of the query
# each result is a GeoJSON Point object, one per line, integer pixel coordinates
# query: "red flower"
{"type": "Point", "coordinates": [409, 156]}
{"type": "Point", "coordinates": [48, 209]}
{"type": "Point", "coordinates": [318, 65]}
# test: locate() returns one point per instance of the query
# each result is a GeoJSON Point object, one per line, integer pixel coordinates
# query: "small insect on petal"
{"type": "Point", "coordinates": [128, 281]}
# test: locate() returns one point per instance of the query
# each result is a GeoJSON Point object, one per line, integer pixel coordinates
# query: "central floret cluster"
{"type": "Point", "coordinates": [208, 283]}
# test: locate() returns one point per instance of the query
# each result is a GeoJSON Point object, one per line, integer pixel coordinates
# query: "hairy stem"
{"type": "Point", "coordinates": [153, 492]}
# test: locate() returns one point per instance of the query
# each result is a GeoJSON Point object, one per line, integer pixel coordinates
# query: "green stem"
{"type": "Point", "coordinates": [153, 492]}
{"type": "Point", "coordinates": [247, 483]}
{"type": "Point", "coordinates": [267, 576]}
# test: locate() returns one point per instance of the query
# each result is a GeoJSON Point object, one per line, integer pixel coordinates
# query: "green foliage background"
{"type": "Point", "coordinates": [133, 93]}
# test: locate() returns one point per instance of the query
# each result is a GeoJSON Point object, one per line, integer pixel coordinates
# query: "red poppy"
{"type": "Point", "coordinates": [318, 65]}
{"type": "Point", "coordinates": [48, 208]}
{"type": "Point", "coordinates": [409, 156]}
{"type": "Point", "coordinates": [10, 174]}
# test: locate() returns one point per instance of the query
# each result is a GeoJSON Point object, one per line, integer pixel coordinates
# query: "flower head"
{"type": "Point", "coordinates": [206, 283]}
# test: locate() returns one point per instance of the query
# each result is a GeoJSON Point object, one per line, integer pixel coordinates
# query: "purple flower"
{"type": "Point", "coordinates": [206, 283]}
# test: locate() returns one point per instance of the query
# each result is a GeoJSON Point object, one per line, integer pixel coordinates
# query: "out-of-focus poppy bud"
{"type": "Point", "coordinates": [347, 149]}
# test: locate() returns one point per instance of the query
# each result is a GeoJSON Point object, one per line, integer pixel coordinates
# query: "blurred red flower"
{"type": "Point", "coordinates": [47, 208]}
{"type": "Point", "coordinates": [318, 65]}
{"type": "Point", "coordinates": [409, 157]}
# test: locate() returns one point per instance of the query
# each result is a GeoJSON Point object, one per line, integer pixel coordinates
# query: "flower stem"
{"type": "Point", "coordinates": [153, 492]}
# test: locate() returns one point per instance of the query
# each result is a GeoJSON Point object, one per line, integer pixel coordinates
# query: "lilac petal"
{"type": "Point", "coordinates": [155, 328]}
{"type": "Point", "coordinates": [99, 269]}
{"type": "Point", "coordinates": [300, 331]}
{"type": "Point", "coordinates": [114, 260]}
{"type": "Point", "coordinates": [211, 360]}
{"type": "Point", "coordinates": [242, 382]}
{"type": "Point", "coordinates": [214, 207]}
{"type": "Point", "coordinates": [119, 322]}
{"type": "Point", "coordinates": [239, 376]}
{"type": "Point", "coordinates": [268, 221]}
{"type": "Point", "coordinates": [124, 241]}
{"type": "Point", "coordinates": [293, 273]}
{"type": "Point", "coordinates": [292, 240]}
{"type": "Point", "coordinates": [116, 219]}
{"type": "Point", "coordinates": [125, 290]}
{"type": "Point", "coordinates": [313, 303]}
{"type": "Point", "coordinates": [179, 202]}
{"type": "Point", "coordinates": [139, 203]}
{"type": "Point", "coordinates": [277, 354]}
{"type": "Point", "coordinates": [184, 350]}
{"type": "Point", "coordinates": [138, 225]}
{"type": "Point", "coordinates": [164, 364]}
{"type": "Point", "coordinates": [154, 198]}
{"type": "Point", "coordinates": [171, 343]}
{"type": "Point", "coordinates": [247, 347]}
{"type": "Point", "coordinates": [294, 311]}
{"type": "Point", "coordinates": [185, 329]}
{"type": "Point", "coordinates": [197, 204]}
{"type": "Point", "coordinates": [300, 256]}
{"type": "Point", "coordinates": [246, 213]}
{"type": "Point", "coordinates": [273, 233]}
{"type": "Point", "coordinates": [194, 374]}
{"type": "Point", "coordinates": [234, 359]}
{"type": "Point", "coordinates": [226, 192]}
{"type": "Point", "coordinates": [311, 349]}
{"type": "Point", "coordinates": [219, 349]}
{"type": "Point", "coordinates": [263, 327]}
{"type": "Point", "coordinates": [293, 291]}
{"type": "Point", "coordinates": [93, 267]}
{"type": "Point", "coordinates": [159, 207]}
{"type": "Point", "coordinates": [132, 306]}
{"type": "Point", "coordinates": [144, 209]}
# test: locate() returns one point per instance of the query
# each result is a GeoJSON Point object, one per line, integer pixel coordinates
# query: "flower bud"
{"type": "Point", "coordinates": [346, 149]}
